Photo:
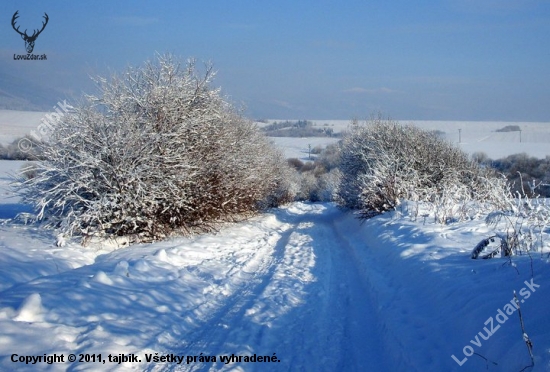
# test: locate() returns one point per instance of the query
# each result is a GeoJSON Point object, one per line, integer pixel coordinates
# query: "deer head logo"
{"type": "Point", "coordinates": [29, 40]}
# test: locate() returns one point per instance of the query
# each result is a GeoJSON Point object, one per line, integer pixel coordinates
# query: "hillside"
{"type": "Point", "coordinates": [20, 93]}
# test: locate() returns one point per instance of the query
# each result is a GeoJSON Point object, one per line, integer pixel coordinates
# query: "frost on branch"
{"type": "Point", "coordinates": [157, 150]}
{"type": "Point", "coordinates": [384, 163]}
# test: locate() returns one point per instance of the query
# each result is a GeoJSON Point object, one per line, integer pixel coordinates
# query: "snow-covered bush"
{"type": "Point", "coordinates": [316, 186]}
{"type": "Point", "coordinates": [318, 181]}
{"type": "Point", "coordinates": [308, 186]}
{"type": "Point", "coordinates": [329, 158]}
{"type": "Point", "coordinates": [328, 185]}
{"type": "Point", "coordinates": [383, 163]}
{"type": "Point", "coordinates": [522, 223]}
{"type": "Point", "coordinates": [157, 150]}
{"type": "Point", "coordinates": [20, 149]}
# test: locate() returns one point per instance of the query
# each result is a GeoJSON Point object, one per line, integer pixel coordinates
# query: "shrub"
{"type": "Point", "coordinates": [308, 166]}
{"type": "Point", "coordinates": [328, 185]}
{"type": "Point", "coordinates": [384, 162]}
{"type": "Point", "coordinates": [157, 151]}
{"type": "Point", "coordinates": [23, 148]}
{"type": "Point", "coordinates": [308, 187]}
{"type": "Point", "coordinates": [316, 181]}
{"type": "Point", "coordinates": [295, 163]}
{"type": "Point", "coordinates": [480, 157]}
{"type": "Point", "coordinates": [526, 174]}
{"type": "Point", "coordinates": [317, 150]}
{"type": "Point", "coordinates": [330, 156]}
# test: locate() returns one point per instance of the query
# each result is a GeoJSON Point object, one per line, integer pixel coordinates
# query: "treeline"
{"type": "Point", "coordinates": [300, 128]}
{"type": "Point", "coordinates": [510, 128]}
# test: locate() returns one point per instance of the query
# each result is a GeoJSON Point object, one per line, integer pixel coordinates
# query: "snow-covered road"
{"type": "Point", "coordinates": [283, 284]}
{"type": "Point", "coordinates": [306, 302]}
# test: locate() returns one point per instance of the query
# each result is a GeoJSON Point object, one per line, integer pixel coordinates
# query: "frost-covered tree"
{"type": "Point", "coordinates": [383, 163]}
{"type": "Point", "coordinates": [157, 150]}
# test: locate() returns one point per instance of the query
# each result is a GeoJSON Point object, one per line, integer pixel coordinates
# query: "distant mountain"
{"type": "Point", "coordinates": [17, 93]}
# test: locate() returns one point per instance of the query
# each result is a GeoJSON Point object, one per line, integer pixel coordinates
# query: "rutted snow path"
{"type": "Point", "coordinates": [284, 283]}
{"type": "Point", "coordinates": [305, 302]}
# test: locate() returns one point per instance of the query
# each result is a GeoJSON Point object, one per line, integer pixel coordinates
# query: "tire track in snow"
{"type": "Point", "coordinates": [389, 294]}
{"type": "Point", "coordinates": [347, 325]}
{"type": "Point", "coordinates": [248, 283]}
{"type": "Point", "coordinates": [301, 296]}
{"type": "Point", "coordinates": [256, 275]}
{"type": "Point", "coordinates": [307, 302]}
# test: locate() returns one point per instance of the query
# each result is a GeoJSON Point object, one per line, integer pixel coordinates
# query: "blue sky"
{"type": "Point", "coordinates": [417, 60]}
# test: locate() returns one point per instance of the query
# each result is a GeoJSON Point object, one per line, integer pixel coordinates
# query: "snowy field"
{"type": "Point", "coordinates": [474, 137]}
{"type": "Point", "coordinates": [15, 124]}
{"type": "Point", "coordinates": [295, 147]}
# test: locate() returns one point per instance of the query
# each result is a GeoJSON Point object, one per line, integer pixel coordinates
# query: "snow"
{"type": "Point", "coordinates": [533, 140]}
{"type": "Point", "coordinates": [296, 147]}
{"type": "Point", "coordinates": [307, 283]}
{"type": "Point", "coordinates": [475, 136]}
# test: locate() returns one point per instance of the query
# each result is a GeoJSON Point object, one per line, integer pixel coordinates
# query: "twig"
{"type": "Point", "coordinates": [486, 360]}
{"type": "Point", "coordinates": [526, 338]}
{"type": "Point", "coordinates": [531, 258]}
{"type": "Point", "coordinates": [509, 262]}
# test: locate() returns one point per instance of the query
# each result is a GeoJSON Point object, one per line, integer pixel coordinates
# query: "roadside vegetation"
{"type": "Point", "coordinates": [157, 151]}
